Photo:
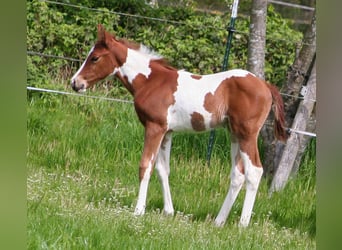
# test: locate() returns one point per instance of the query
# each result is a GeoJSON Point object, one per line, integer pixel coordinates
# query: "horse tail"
{"type": "Point", "coordinates": [279, 115]}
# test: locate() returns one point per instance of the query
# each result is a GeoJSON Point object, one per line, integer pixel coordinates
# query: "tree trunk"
{"type": "Point", "coordinates": [298, 71]}
{"type": "Point", "coordinates": [296, 77]}
{"type": "Point", "coordinates": [293, 143]}
{"type": "Point", "coordinates": [257, 36]}
{"type": "Point", "coordinates": [256, 56]}
{"type": "Point", "coordinates": [311, 126]}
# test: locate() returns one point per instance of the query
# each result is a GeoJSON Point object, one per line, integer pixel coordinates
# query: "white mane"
{"type": "Point", "coordinates": [151, 54]}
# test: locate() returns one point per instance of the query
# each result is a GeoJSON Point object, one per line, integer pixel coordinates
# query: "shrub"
{"type": "Point", "coordinates": [196, 44]}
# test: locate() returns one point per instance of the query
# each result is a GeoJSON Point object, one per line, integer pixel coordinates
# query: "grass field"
{"type": "Point", "coordinates": [82, 185]}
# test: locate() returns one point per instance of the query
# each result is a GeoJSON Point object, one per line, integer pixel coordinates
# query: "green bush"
{"type": "Point", "coordinates": [52, 32]}
{"type": "Point", "coordinates": [197, 44]}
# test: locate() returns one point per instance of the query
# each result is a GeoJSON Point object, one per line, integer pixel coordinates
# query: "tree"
{"type": "Point", "coordinates": [256, 61]}
{"type": "Point", "coordinates": [289, 155]}
{"type": "Point", "coordinates": [297, 75]}
{"type": "Point", "coordinates": [257, 38]}
{"type": "Point", "coordinates": [293, 144]}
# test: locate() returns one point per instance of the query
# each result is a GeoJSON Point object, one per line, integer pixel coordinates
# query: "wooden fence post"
{"type": "Point", "coordinates": [296, 77]}
{"type": "Point", "coordinates": [293, 143]}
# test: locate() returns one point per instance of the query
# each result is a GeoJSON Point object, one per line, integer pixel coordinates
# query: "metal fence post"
{"type": "Point", "coordinates": [231, 30]}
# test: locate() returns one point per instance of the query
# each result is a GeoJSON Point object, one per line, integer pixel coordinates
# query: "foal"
{"type": "Point", "coordinates": [167, 100]}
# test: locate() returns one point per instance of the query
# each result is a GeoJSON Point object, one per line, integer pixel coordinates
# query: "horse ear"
{"type": "Point", "coordinates": [101, 37]}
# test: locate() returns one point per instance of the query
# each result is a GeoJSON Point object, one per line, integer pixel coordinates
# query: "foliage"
{"type": "Point", "coordinates": [195, 42]}
{"type": "Point", "coordinates": [281, 45]}
{"type": "Point", "coordinates": [52, 32]}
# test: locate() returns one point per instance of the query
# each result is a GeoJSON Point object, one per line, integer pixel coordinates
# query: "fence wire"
{"type": "Point", "coordinates": [32, 53]}
{"type": "Point", "coordinates": [197, 27]}
{"type": "Point", "coordinates": [131, 102]}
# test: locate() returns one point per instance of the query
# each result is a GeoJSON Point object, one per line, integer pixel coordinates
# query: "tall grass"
{"type": "Point", "coordinates": [83, 157]}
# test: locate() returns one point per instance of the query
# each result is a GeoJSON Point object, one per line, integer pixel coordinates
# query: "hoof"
{"type": "Point", "coordinates": [139, 212]}
{"type": "Point", "coordinates": [219, 223]}
{"type": "Point", "coordinates": [168, 212]}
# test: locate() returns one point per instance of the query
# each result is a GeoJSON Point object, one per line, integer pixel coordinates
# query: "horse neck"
{"type": "Point", "coordinates": [135, 70]}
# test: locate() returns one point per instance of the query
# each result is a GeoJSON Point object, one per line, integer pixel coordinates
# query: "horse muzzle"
{"type": "Point", "coordinates": [78, 85]}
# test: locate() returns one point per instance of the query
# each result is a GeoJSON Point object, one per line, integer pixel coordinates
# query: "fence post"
{"type": "Point", "coordinates": [299, 123]}
{"type": "Point", "coordinates": [297, 76]}
{"type": "Point", "coordinates": [231, 30]}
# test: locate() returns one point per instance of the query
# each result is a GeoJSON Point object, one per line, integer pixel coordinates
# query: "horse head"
{"type": "Point", "coordinates": [99, 64]}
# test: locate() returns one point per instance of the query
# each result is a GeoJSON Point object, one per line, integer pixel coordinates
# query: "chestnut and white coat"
{"type": "Point", "coordinates": [167, 100]}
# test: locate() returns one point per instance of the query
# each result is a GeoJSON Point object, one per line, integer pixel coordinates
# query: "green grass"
{"type": "Point", "coordinates": [82, 186]}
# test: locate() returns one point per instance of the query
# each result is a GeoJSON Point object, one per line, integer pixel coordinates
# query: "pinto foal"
{"type": "Point", "coordinates": [167, 100]}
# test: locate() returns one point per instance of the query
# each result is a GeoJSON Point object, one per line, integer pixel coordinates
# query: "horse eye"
{"type": "Point", "coordinates": [94, 58]}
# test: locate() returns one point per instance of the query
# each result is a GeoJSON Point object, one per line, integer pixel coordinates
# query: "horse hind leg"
{"type": "Point", "coordinates": [237, 179]}
{"type": "Point", "coordinates": [253, 174]}
{"type": "Point", "coordinates": [163, 171]}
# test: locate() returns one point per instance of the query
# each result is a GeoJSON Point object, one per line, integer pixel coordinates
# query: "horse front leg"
{"type": "Point", "coordinates": [153, 137]}
{"type": "Point", "coordinates": [163, 170]}
{"type": "Point", "coordinates": [237, 178]}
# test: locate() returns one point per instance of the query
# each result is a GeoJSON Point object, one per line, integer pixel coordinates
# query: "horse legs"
{"type": "Point", "coordinates": [163, 170]}
{"type": "Point", "coordinates": [236, 180]}
{"type": "Point", "coordinates": [246, 165]}
{"type": "Point", "coordinates": [153, 137]}
{"type": "Point", "coordinates": [253, 172]}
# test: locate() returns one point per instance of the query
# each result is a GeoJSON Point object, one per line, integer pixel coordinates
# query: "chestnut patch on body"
{"type": "Point", "coordinates": [197, 77]}
{"type": "Point", "coordinates": [152, 97]}
{"type": "Point", "coordinates": [197, 121]}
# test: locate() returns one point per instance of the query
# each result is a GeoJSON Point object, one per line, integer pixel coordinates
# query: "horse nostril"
{"type": "Point", "coordinates": [77, 88]}
{"type": "Point", "coordinates": [73, 84]}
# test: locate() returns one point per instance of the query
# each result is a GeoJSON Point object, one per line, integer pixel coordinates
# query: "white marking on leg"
{"type": "Point", "coordinates": [236, 182]}
{"type": "Point", "coordinates": [141, 204]}
{"type": "Point", "coordinates": [253, 176]}
{"type": "Point", "coordinates": [163, 170]}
